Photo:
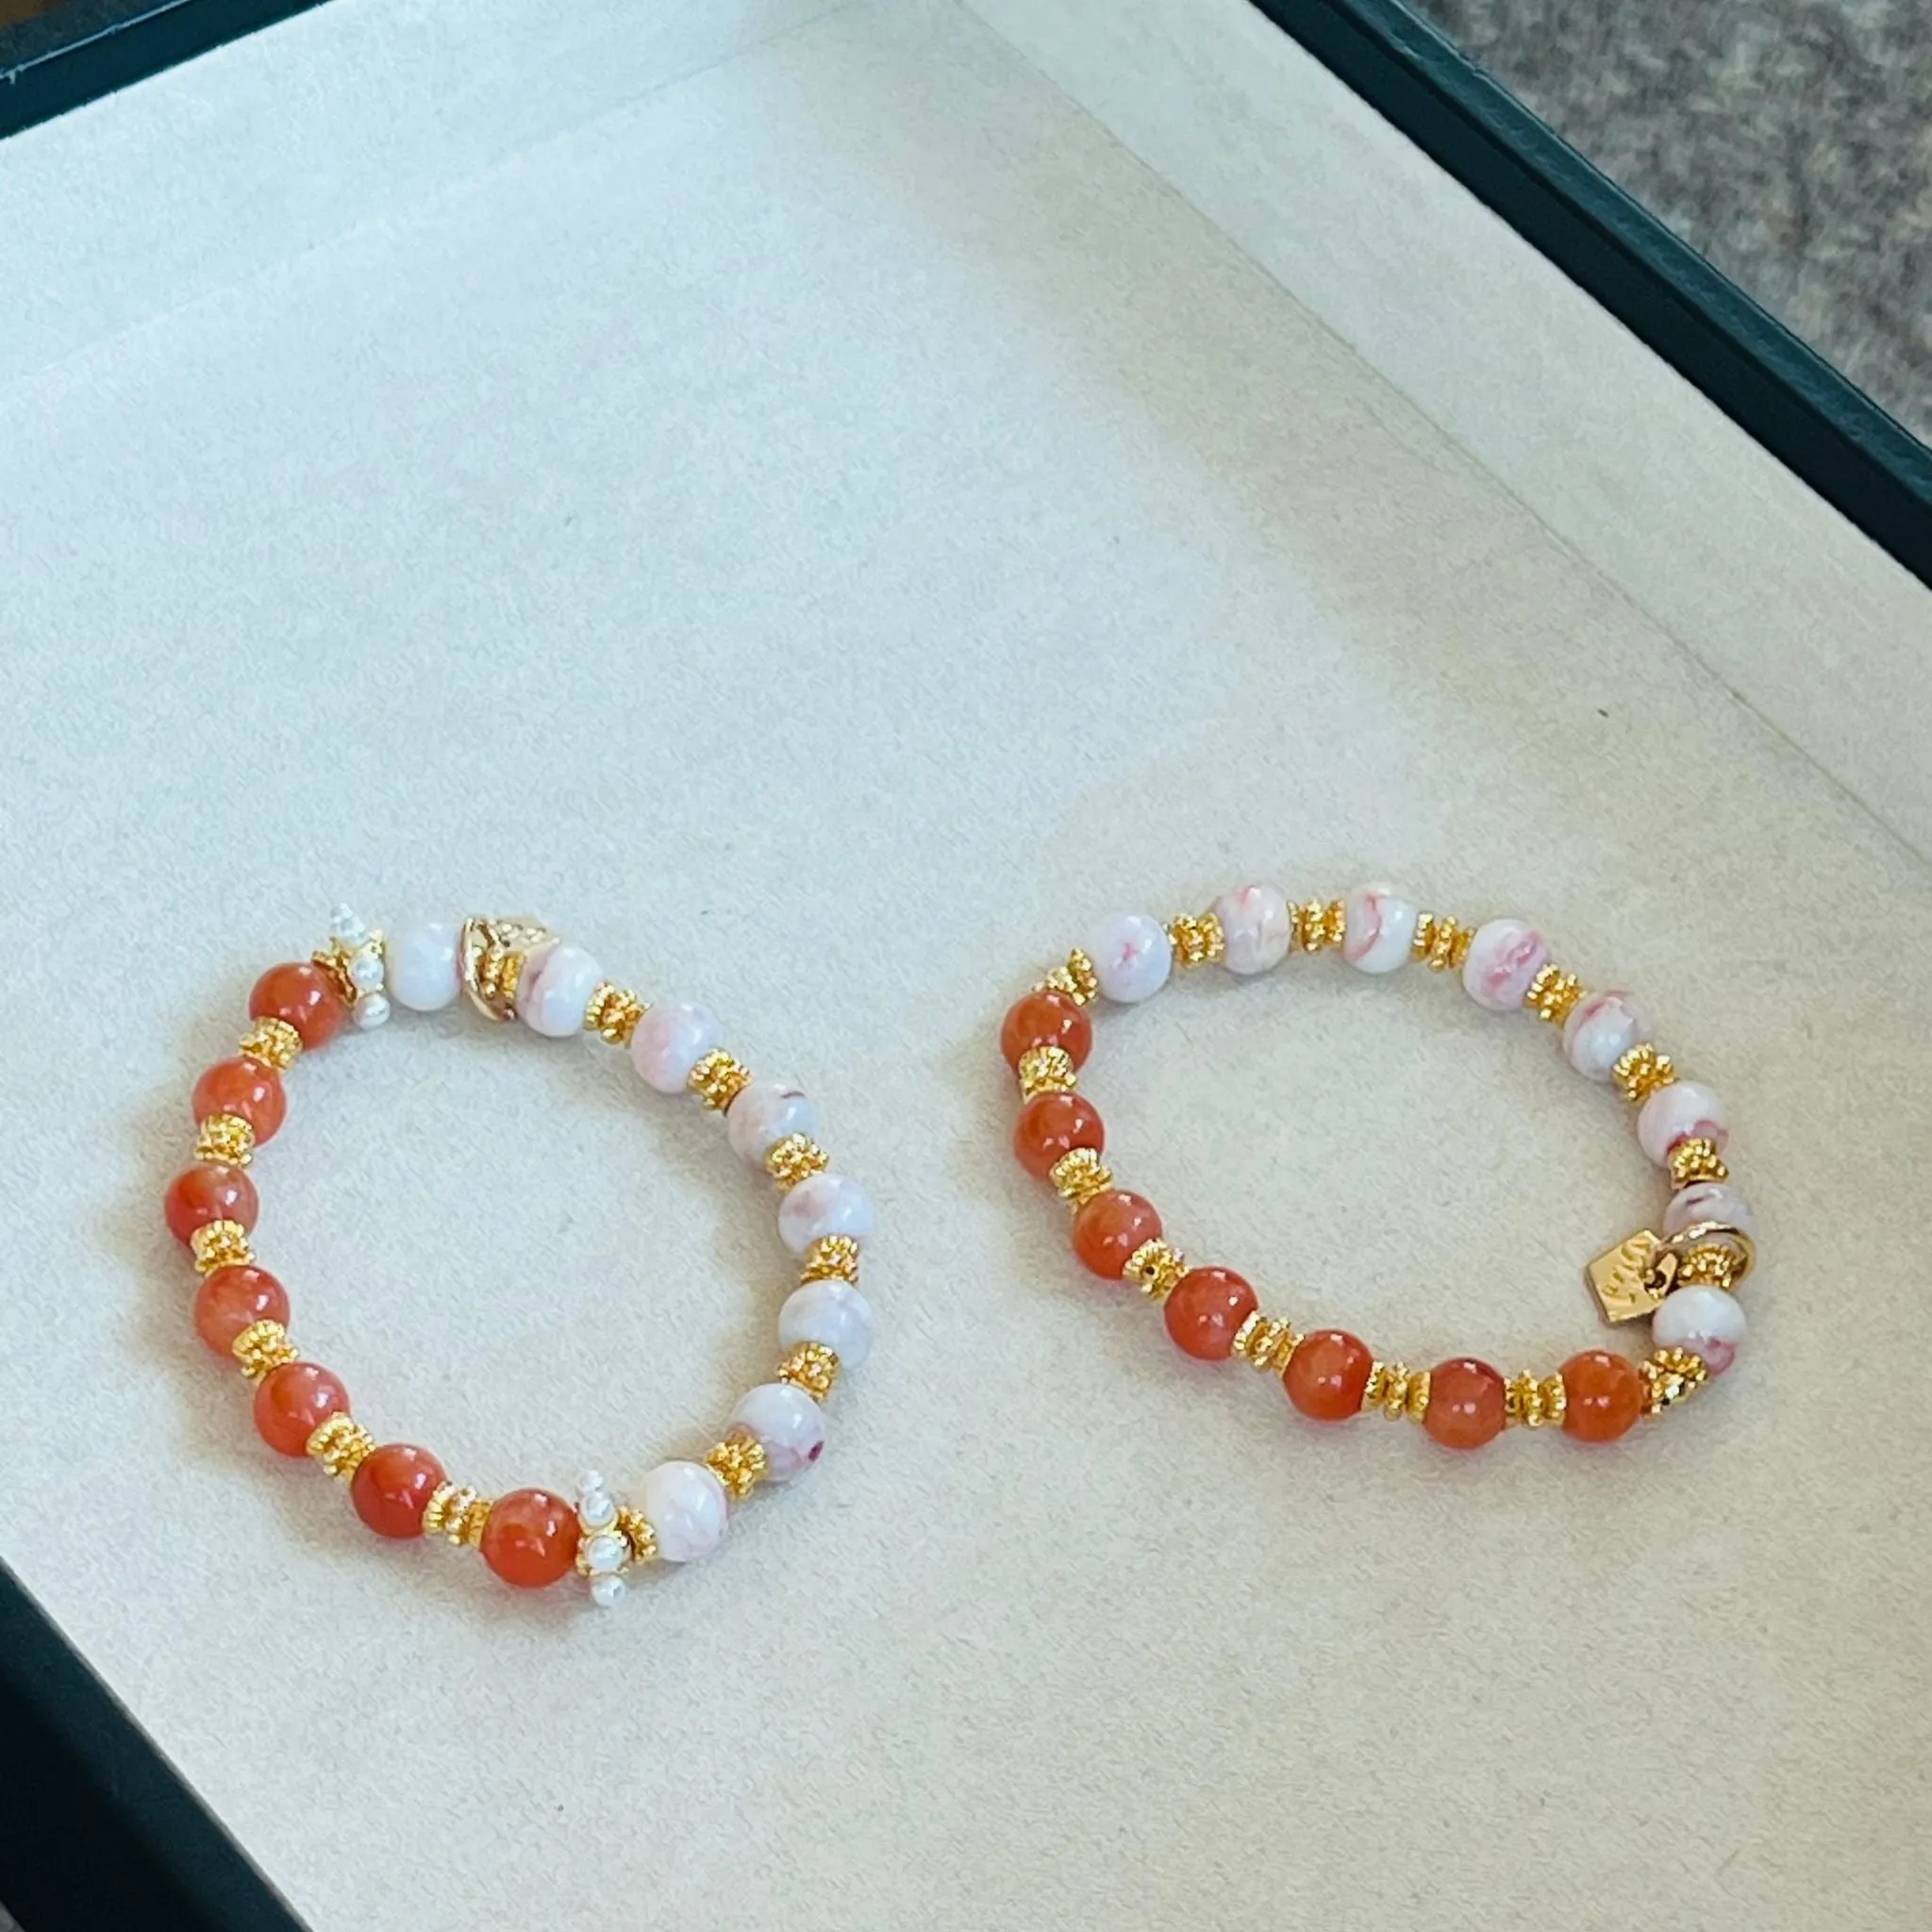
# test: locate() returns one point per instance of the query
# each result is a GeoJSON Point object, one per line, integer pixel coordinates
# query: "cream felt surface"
{"type": "Point", "coordinates": [823, 534]}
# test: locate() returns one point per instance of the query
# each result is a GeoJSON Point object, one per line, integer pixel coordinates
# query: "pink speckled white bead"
{"type": "Point", "coordinates": [1601, 1030]}
{"type": "Point", "coordinates": [788, 1425]}
{"type": "Point", "coordinates": [1132, 956]}
{"type": "Point", "coordinates": [685, 1506]}
{"type": "Point", "coordinates": [821, 1204]}
{"type": "Point", "coordinates": [1707, 1320]}
{"type": "Point", "coordinates": [1705, 1201]}
{"type": "Point", "coordinates": [832, 1313]}
{"type": "Point", "coordinates": [670, 1041]}
{"type": "Point", "coordinates": [1503, 957]}
{"type": "Point", "coordinates": [1381, 927]}
{"type": "Point", "coordinates": [553, 993]}
{"type": "Point", "coordinates": [765, 1113]}
{"type": "Point", "coordinates": [1684, 1110]}
{"type": "Point", "coordinates": [1255, 928]}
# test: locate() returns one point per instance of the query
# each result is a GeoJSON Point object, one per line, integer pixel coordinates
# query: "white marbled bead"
{"type": "Point", "coordinates": [423, 973]}
{"type": "Point", "coordinates": [1132, 956]}
{"type": "Point", "coordinates": [763, 1114]}
{"type": "Point", "coordinates": [1710, 1201]}
{"type": "Point", "coordinates": [819, 1205]}
{"type": "Point", "coordinates": [554, 991]}
{"type": "Point", "coordinates": [1503, 957]}
{"type": "Point", "coordinates": [1256, 928]}
{"type": "Point", "coordinates": [790, 1426]}
{"type": "Point", "coordinates": [687, 1509]}
{"type": "Point", "coordinates": [1381, 927]}
{"type": "Point", "coordinates": [831, 1312]}
{"type": "Point", "coordinates": [1601, 1030]}
{"type": "Point", "coordinates": [1684, 1110]}
{"type": "Point", "coordinates": [1707, 1320]}
{"type": "Point", "coordinates": [670, 1041]}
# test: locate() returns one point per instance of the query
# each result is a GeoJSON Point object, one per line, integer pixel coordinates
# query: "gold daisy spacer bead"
{"type": "Point", "coordinates": [1533, 1401]}
{"type": "Point", "coordinates": [796, 1157]}
{"type": "Point", "coordinates": [1553, 994]}
{"type": "Point", "coordinates": [738, 1462]}
{"type": "Point", "coordinates": [220, 1244]}
{"type": "Point", "coordinates": [1078, 980]}
{"type": "Point", "coordinates": [639, 1534]}
{"type": "Point", "coordinates": [830, 1255]}
{"type": "Point", "coordinates": [1197, 938]}
{"type": "Point", "coordinates": [275, 1041]}
{"type": "Point", "coordinates": [225, 1138]}
{"type": "Point", "coordinates": [613, 1014]}
{"type": "Point", "coordinates": [1671, 1376]}
{"type": "Point", "coordinates": [456, 1513]}
{"type": "Point", "coordinates": [1696, 1160]}
{"type": "Point", "coordinates": [1263, 1341]}
{"type": "Point", "coordinates": [1080, 1176]}
{"type": "Point", "coordinates": [1155, 1268]}
{"type": "Point", "coordinates": [1641, 1072]}
{"type": "Point", "coordinates": [810, 1366]}
{"type": "Point", "coordinates": [1401, 1393]}
{"type": "Point", "coordinates": [1712, 1265]}
{"type": "Point", "coordinates": [1442, 943]}
{"type": "Point", "coordinates": [1319, 923]}
{"type": "Point", "coordinates": [262, 1346]}
{"type": "Point", "coordinates": [1046, 1069]}
{"type": "Point", "coordinates": [341, 1445]}
{"type": "Point", "coordinates": [718, 1079]}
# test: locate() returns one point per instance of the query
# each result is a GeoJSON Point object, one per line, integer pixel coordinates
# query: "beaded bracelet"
{"type": "Point", "coordinates": [517, 969]}
{"type": "Point", "coordinates": [1683, 1277]}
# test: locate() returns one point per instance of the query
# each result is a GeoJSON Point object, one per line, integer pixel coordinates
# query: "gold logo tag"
{"type": "Point", "coordinates": [1631, 1280]}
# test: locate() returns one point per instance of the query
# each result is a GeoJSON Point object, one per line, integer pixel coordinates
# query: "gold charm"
{"type": "Point", "coordinates": [1631, 1279]}
{"type": "Point", "coordinates": [490, 957]}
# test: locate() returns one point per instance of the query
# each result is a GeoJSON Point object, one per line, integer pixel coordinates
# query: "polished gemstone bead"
{"type": "Point", "coordinates": [1381, 927]}
{"type": "Point", "coordinates": [670, 1041]}
{"type": "Point", "coordinates": [1329, 1373]}
{"type": "Point", "coordinates": [209, 1192]}
{"type": "Point", "coordinates": [392, 1486]}
{"type": "Point", "coordinates": [685, 1506]}
{"type": "Point", "coordinates": [1601, 1030]}
{"type": "Point", "coordinates": [819, 1205]}
{"type": "Point", "coordinates": [530, 1538]}
{"type": "Point", "coordinates": [232, 1299]}
{"type": "Point", "coordinates": [292, 1402]}
{"type": "Point", "coordinates": [554, 993]}
{"type": "Point", "coordinates": [832, 1313]}
{"type": "Point", "coordinates": [303, 994]}
{"type": "Point", "coordinates": [765, 1113]}
{"type": "Point", "coordinates": [1256, 928]}
{"type": "Point", "coordinates": [1468, 1403]}
{"type": "Point", "coordinates": [1707, 1320]}
{"type": "Point", "coordinates": [1205, 1310]}
{"type": "Point", "coordinates": [1603, 1395]}
{"type": "Point", "coordinates": [1132, 956]}
{"type": "Point", "coordinates": [1684, 1110]}
{"type": "Point", "coordinates": [1110, 1228]}
{"type": "Point", "coordinates": [1050, 1126]}
{"type": "Point", "coordinates": [1503, 957]}
{"type": "Point", "coordinates": [788, 1425]}
{"type": "Point", "coordinates": [423, 972]}
{"type": "Point", "coordinates": [1710, 1201]}
{"type": "Point", "coordinates": [249, 1089]}
{"type": "Point", "coordinates": [1046, 1019]}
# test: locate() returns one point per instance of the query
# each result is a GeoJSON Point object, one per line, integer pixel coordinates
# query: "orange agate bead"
{"type": "Point", "coordinates": [292, 1402]}
{"type": "Point", "coordinates": [1205, 1310]}
{"type": "Point", "coordinates": [1467, 1403]}
{"type": "Point", "coordinates": [1327, 1374]}
{"type": "Point", "coordinates": [530, 1538]}
{"type": "Point", "coordinates": [232, 1299]}
{"type": "Point", "coordinates": [1046, 1019]}
{"type": "Point", "coordinates": [1049, 1128]}
{"type": "Point", "coordinates": [1603, 1395]}
{"type": "Point", "coordinates": [209, 1192]}
{"type": "Point", "coordinates": [304, 995]}
{"type": "Point", "coordinates": [392, 1485]}
{"type": "Point", "coordinates": [1110, 1228]}
{"type": "Point", "coordinates": [249, 1089]}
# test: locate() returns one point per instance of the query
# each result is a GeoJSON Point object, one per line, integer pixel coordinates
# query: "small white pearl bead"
{"type": "Point", "coordinates": [1707, 1320]}
{"type": "Point", "coordinates": [1381, 927]}
{"type": "Point", "coordinates": [790, 1426]}
{"type": "Point", "coordinates": [554, 991]}
{"type": "Point", "coordinates": [372, 1009]}
{"type": "Point", "coordinates": [687, 1509]}
{"type": "Point", "coordinates": [607, 1552]}
{"type": "Point", "coordinates": [1684, 1110]}
{"type": "Point", "coordinates": [1710, 1201]}
{"type": "Point", "coordinates": [344, 925]}
{"type": "Point", "coordinates": [833, 1313]}
{"type": "Point", "coordinates": [763, 1114]}
{"type": "Point", "coordinates": [1601, 1030]}
{"type": "Point", "coordinates": [423, 973]}
{"type": "Point", "coordinates": [1255, 928]}
{"type": "Point", "coordinates": [1132, 956]}
{"type": "Point", "coordinates": [1503, 957]}
{"type": "Point", "coordinates": [365, 969]}
{"type": "Point", "coordinates": [596, 1506]}
{"type": "Point", "coordinates": [670, 1041]}
{"type": "Point", "coordinates": [607, 1592]}
{"type": "Point", "coordinates": [819, 1205]}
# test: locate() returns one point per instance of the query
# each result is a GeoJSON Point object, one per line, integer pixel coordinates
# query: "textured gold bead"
{"type": "Point", "coordinates": [1155, 1268]}
{"type": "Point", "coordinates": [1401, 1393]}
{"type": "Point", "coordinates": [738, 1462]}
{"type": "Point", "coordinates": [1442, 943]}
{"type": "Point", "coordinates": [830, 1255]}
{"type": "Point", "coordinates": [273, 1041]}
{"type": "Point", "coordinates": [1533, 1401]}
{"type": "Point", "coordinates": [456, 1513]}
{"type": "Point", "coordinates": [1709, 1266]}
{"type": "Point", "coordinates": [796, 1157]}
{"type": "Point", "coordinates": [1553, 994]}
{"type": "Point", "coordinates": [810, 1366]}
{"type": "Point", "coordinates": [613, 1012]}
{"type": "Point", "coordinates": [1046, 1069]}
{"type": "Point", "coordinates": [1265, 1342]}
{"type": "Point", "coordinates": [262, 1346]}
{"type": "Point", "coordinates": [226, 1138]}
{"type": "Point", "coordinates": [341, 1444]}
{"type": "Point", "coordinates": [1079, 1176]}
{"type": "Point", "coordinates": [1641, 1072]}
{"type": "Point", "coordinates": [639, 1534]}
{"type": "Point", "coordinates": [1696, 1160]}
{"type": "Point", "coordinates": [1319, 922]}
{"type": "Point", "coordinates": [1197, 938]}
{"type": "Point", "coordinates": [220, 1244]}
{"type": "Point", "coordinates": [1078, 979]}
{"type": "Point", "coordinates": [1670, 1376]}
{"type": "Point", "coordinates": [334, 960]}
{"type": "Point", "coordinates": [718, 1079]}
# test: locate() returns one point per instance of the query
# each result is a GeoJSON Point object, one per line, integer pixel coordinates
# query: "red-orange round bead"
{"type": "Point", "coordinates": [1046, 1019]}
{"type": "Point", "coordinates": [232, 1299]}
{"type": "Point", "coordinates": [392, 1488]}
{"type": "Point", "coordinates": [530, 1538]}
{"type": "Point", "coordinates": [1049, 1128]}
{"type": "Point", "coordinates": [304, 995]}
{"type": "Point", "coordinates": [1603, 1395]}
{"type": "Point", "coordinates": [1205, 1310]}
{"type": "Point", "coordinates": [1329, 1373]}
{"type": "Point", "coordinates": [249, 1089]}
{"type": "Point", "coordinates": [1467, 1403]}
{"type": "Point", "coordinates": [292, 1402]}
{"type": "Point", "coordinates": [1110, 1228]}
{"type": "Point", "coordinates": [209, 1192]}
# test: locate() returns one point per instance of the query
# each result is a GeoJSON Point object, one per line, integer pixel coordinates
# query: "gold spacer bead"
{"type": "Point", "coordinates": [1079, 1176]}
{"type": "Point", "coordinates": [1078, 979]}
{"type": "Point", "coordinates": [220, 1244]}
{"type": "Point", "coordinates": [718, 1079]}
{"type": "Point", "coordinates": [1046, 1069]}
{"type": "Point", "coordinates": [1197, 938]}
{"type": "Point", "coordinates": [796, 1157]}
{"type": "Point", "coordinates": [1553, 994]}
{"type": "Point", "coordinates": [1442, 943]}
{"type": "Point", "coordinates": [1533, 1401]}
{"type": "Point", "coordinates": [1156, 1268]}
{"type": "Point", "coordinates": [226, 1138]}
{"type": "Point", "coordinates": [273, 1041]}
{"type": "Point", "coordinates": [613, 1012]}
{"type": "Point", "coordinates": [334, 960]}
{"type": "Point", "coordinates": [1401, 1393]}
{"type": "Point", "coordinates": [262, 1346]}
{"type": "Point", "coordinates": [738, 1462]}
{"type": "Point", "coordinates": [341, 1444]}
{"type": "Point", "coordinates": [1641, 1072]}
{"type": "Point", "coordinates": [456, 1513]}
{"type": "Point", "coordinates": [830, 1255]}
{"type": "Point", "coordinates": [1670, 1376]}
{"type": "Point", "coordinates": [810, 1366]}
{"type": "Point", "coordinates": [639, 1534]}
{"type": "Point", "coordinates": [1319, 922]}
{"type": "Point", "coordinates": [1696, 1160]}
{"type": "Point", "coordinates": [1709, 1266]}
{"type": "Point", "coordinates": [1265, 1342]}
